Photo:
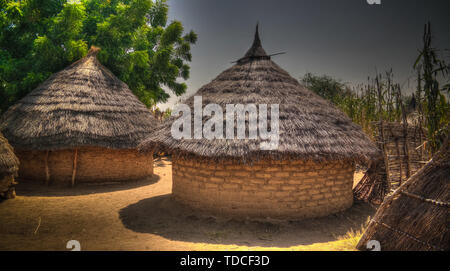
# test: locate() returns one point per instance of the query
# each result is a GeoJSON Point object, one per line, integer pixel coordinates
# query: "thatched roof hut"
{"type": "Point", "coordinates": [309, 174]}
{"type": "Point", "coordinates": [81, 115]}
{"type": "Point", "coordinates": [9, 165]}
{"type": "Point", "coordinates": [415, 216]}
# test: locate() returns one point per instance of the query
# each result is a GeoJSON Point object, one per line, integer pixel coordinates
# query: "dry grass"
{"type": "Point", "coordinates": [350, 240]}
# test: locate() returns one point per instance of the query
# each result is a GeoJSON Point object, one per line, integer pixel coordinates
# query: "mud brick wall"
{"type": "Point", "coordinates": [93, 165]}
{"type": "Point", "coordinates": [276, 189]}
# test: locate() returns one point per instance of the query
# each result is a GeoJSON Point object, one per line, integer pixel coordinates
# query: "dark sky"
{"type": "Point", "coordinates": [347, 39]}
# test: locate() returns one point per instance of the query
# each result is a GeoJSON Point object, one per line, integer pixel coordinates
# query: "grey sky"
{"type": "Point", "coordinates": [347, 39]}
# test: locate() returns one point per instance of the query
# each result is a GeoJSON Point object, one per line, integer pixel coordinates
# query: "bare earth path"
{"type": "Point", "coordinates": [142, 216]}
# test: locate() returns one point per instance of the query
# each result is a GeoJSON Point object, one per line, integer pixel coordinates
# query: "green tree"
{"type": "Point", "coordinates": [139, 45]}
{"type": "Point", "coordinates": [336, 92]}
{"type": "Point", "coordinates": [380, 98]}
{"type": "Point", "coordinates": [325, 86]}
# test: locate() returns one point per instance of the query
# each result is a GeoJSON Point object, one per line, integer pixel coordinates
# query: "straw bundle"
{"type": "Point", "coordinates": [9, 165]}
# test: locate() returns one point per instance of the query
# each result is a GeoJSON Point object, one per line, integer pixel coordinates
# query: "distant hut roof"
{"type": "Point", "coordinates": [415, 217]}
{"type": "Point", "coordinates": [82, 105]}
{"type": "Point", "coordinates": [311, 128]}
{"type": "Point", "coordinates": [9, 164]}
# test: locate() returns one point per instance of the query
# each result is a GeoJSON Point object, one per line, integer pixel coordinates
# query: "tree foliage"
{"type": "Point", "coordinates": [325, 86]}
{"type": "Point", "coordinates": [139, 45]}
{"type": "Point", "coordinates": [380, 98]}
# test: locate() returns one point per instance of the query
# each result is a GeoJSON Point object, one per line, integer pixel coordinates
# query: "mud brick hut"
{"type": "Point", "coordinates": [309, 175]}
{"type": "Point", "coordinates": [81, 125]}
{"type": "Point", "coordinates": [415, 216]}
{"type": "Point", "coordinates": [9, 165]}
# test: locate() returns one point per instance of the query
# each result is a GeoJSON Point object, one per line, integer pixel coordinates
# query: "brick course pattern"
{"type": "Point", "coordinates": [93, 165]}
{"type": "Point", "coordinates": [275, 189]}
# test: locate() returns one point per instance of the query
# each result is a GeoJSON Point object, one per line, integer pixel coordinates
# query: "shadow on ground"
{"type": "Point", "coordinates": [165, 217]}
{"type": "Point", "coordinates": [161, 161]}
{"type": "Point", "coordinates": [29, 188]}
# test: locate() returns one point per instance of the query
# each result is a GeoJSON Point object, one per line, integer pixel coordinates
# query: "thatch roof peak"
{"type": "Point", "coordinates": [256, 51]}
{"type": "Point", "coordinates": [93, 51]}
{"type": "Point", "coordinates": [82, 105]}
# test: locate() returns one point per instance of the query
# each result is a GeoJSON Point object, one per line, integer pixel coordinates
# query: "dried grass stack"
{"type": "Point", "coordinates": [405, 146]}
{"type": "Point", "coordinates": [81, 120]}
{"type": "Point", "coordinates": [415, 217]}
{"type": "Point", "coordinates": [314, 134]}
{"type": "Point", "coordinates": [374, 186]}
{"type": "Point", "coordinates": [404, 154]}
{"type": "Point", "coordinates": [9, 165]}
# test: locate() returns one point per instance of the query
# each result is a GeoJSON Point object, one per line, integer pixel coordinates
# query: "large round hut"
{"type": "Point", "coordinates": [81, 125]}
{"type": "Point", "coordinates": [416, 216]}
{"type": "Point", "coordinates": [9, 165]}
{"type": "Point", "coordinates": [309, 173]}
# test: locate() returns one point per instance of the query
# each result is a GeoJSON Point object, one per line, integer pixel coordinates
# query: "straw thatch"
{"type": "Point", "coordinates": [9, 165]}
{"type": "Point", "coordinates": [82, 105]}
{"type": "Point", "coordinates": [415, 216]}
{"type": "Point", "coordinates": [374, 185]}
{"type": "Point", "coordinates": [311, 128]}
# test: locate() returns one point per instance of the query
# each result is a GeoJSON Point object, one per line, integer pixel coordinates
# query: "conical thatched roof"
{"type": "Point", "coordinates": [311, 128]}
{"type": "Point", "coordinates": [256, 51]}
{"type": "Point", "coordinates": [82, 105]}
{"type": "Point", "coordinates": [9, 164]}
{"type": "Point", "coordinates": [415, 217]}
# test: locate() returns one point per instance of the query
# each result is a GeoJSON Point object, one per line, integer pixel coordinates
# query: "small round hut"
{"type": "Point", "coordinates": [416, 216]}
{"type": "Point", "coordinates": [9, 165]}
{"type": "Point", "coordinates": [81, 125]}
{"type": "Point", "coordinates": [309, 174]}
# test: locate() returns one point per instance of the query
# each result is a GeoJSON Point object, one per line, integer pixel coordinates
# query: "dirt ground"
{"type": "Point", "coordinates": [142, 216]}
